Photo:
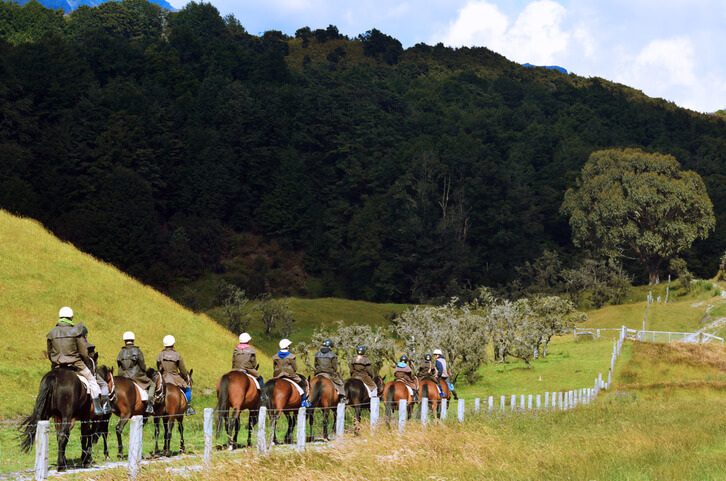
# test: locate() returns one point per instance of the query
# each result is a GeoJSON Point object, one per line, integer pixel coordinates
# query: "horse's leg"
{"type": "Point", "coordinates": [156, 435]}
{"type": "Point", "coordinates": [168, 426]}
{"type": "Point", "coordinates": [232, 438]}
{"type": "Point", "coordinates": [62, 433]}
{"type": "Point", "coordinates": [254, 416]}
{"type": "Point", "coordinates": [87, 434]}
{"type": "Point", "coordinates": [291, 422]}
{"type": "Point", "coordinates": [273, 426]}
{"type": "Point", "coordinates": [326, 418]}
{"type": "Point", "coordinates": [311, 419]}
{"type": "Point", "coordinates": [119, 430]}
{"type": "Point", "coordinates": [182, 449]}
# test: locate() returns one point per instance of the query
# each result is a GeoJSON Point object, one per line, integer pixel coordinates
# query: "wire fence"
{"type": "Point", "coordinates": [203, 443]}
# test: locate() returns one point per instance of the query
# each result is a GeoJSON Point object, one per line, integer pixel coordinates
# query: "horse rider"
{"type": "Point", "coordinates": [171, 366]}
{"type": "Point", "coordinates": [443, 371]}
{"type": "Point", "coordinates": [131, 364]}
{"type": "Point", "coordinates": [93, 356]}
{"type": "Point", "coordinates": [427, 370]}
{"type": "Point", "coordinates": [244, 358]}
{"type": "Point", "coordinates": [326, 365]}
{"type": "Point", "coordinates": [361, 369]}
{"type": "Point", "coordinates": [402, 372]}
{"type": "Point", "coordinates": [67, 349]}
{"type": "Point", "coordinates": [284, 365]}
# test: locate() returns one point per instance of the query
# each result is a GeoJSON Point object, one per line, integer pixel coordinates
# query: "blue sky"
{"type": "Point", "coordinates": [666, 48]}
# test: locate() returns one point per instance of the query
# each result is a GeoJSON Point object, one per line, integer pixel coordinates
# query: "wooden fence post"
{"type": "Point", "coordinates": [375, 410]}
{"type": "Point", "coordinates": [503, 403]}
{"type": "Point", "coordinates": [301, 426]}
{"type": "Point", "coordinates": [42, 464]}
{"type": "Point", "coordinates": [424, 411]}
{"type": "Point", "coordinates": [476, 405]}
{"type": "Point", "coordinates": [261, 432]}
{"type": "Point", "coordinates": [513, 403]}
{"type": "Point", "coordinates": [340, 421]}
{"type": "Point", "coordinates": [539, 402]}
{"type": "Point", "coordinates": [491, 402]}
{"type": "Point", "coordinates": [444, 408]}
{"type": "Point", "coordinates": [136, 437]}
{"type": "Point", "coordinates": [402, 414]}
{"type": "Point", "coordinates": [547, 400]}
{"type": "Point", "coordinates": [208, 435]}
{"type": "Point", "coordinates": [560, 396]}
{"type": "Point", "coordinates": [529, 402]}
{"type": "Point", "coordinates": [521, 402]}
{"type": "Point", "coordinates": [461, 410]}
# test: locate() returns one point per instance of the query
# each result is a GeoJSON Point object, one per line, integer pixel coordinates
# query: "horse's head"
{"type": "Point", "coordinates": [380, 382]}
{"type": "Point", "coordinates": [191, 382]}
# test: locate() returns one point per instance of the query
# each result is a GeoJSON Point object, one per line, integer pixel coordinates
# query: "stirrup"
{"type": "Point", "coordinates": [190, 411]}
{"type": "Point", "coordinates": [149, 407]}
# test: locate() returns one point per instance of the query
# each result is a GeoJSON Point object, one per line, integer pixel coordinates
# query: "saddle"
{"type": "Point", "coordinates": [253, 379]}
{"type": "Point", "coordinates": [410, 391]}
{"type": "Point", "coordinates": [297, 386]}
{"type": "Point", "coordinates": [84, 381]}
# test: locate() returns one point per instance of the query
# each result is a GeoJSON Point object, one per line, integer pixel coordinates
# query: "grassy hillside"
{"type": "Point", "coordinates": [39, 274]}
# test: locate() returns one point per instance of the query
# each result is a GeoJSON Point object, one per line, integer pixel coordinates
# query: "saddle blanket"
{"type": "Point", "coordinates": [299, 389]}
{"type": "Point", "coordinates": [142, 392]}
{"type": "Point", "coordinates": [410, 391]}
{"type": "Point", "coordinates": [85, 383]}
{"type": "Point", "coordinates": [254, 380]}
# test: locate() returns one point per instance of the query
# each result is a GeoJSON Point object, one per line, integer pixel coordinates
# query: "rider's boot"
{"type": "Point", "coordinates": [97, 409]}
{"type": "Point", "coordinates": [342, 398]}
{"type": "Point", "coordinates": [453, 393]}
{"type": "Point", "coordinates": [150, 406]}
{"type": "Point", "coordinates": [190, 411]}
{"type": "Point", "coordinates": [106, 404]}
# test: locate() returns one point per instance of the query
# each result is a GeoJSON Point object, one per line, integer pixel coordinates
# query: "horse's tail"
{"type": "Point", "coordinates": [317, 394]}
{"type": "Point", "coordinates": [222, 404]}
{"type": "Point", "coordinates": [425, 390]}
{"type": "Point", "coordinates": [41, 411]}
{"type": "Point", "coordinates": [267, 390]}
{"type": "Point", "coordinates": [390, 394]}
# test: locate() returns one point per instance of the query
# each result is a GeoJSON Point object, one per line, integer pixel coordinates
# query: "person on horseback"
{"type": "Point", "coordinates": [361, 368]}
{"type": "Point", "coordinates": [171, 367]}
{"type": "Point", "coordinates": [244, 358]}
{"type": "Point", "coordinates": [326, 365]}
{"type": "Point", "coordinates": [67, 349]}
{"type": "Point", "coordinates": [443, 371]}
{"type": "Point", "coordinates": [131, 364]}
{"type": "Point", "coordinates": [284, 365]}
{"type": "Point", "coordinates": [427, 370]}
{"type": "Point", "coordinates": [403, 372]}
{"type": "Point", "coordinates": [93, 356]}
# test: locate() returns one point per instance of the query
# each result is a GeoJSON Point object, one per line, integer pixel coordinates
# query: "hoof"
{"type": "Point", "coordinates": [61, 469]}
{"type": "Point", "coordinates": [230, 448]}
{"type": "Point", "coordinates": [120, 455]}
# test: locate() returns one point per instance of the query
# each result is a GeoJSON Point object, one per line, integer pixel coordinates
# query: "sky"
{"type": "Point", "coordinates": [672, 49]}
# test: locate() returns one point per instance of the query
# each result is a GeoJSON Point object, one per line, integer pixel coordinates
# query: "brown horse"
{"type": "Point", "coordinates": [429, 389]}
{"type": "Point", "coordinates": [128, 404]}
{"type": "Point", "coordinates": [171, 410]}
{"type": "Point", "coordinates": [325, 397]}
{"type": "Point", "coordinates": [235, 393]}
{"type": "Point", "coordinates": [281, 397]}
{"type": "Point", "coordinates": [393, 392]}
{"type": "Point", "coordinates": [358, 397]}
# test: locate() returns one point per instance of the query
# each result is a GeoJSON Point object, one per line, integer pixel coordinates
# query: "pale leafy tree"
{"type": "Point", "coordinates": [458, 330]}
{"type": "Point", "coordinates": [379, 343]}
{"type": "Point", "coordinates": [641, 202]}
{"type": "Point", "coordinates": [513, 329]}
{"type": "Point", "coordinates": [236, 308]}
{"type": "Point", "coordinates": [275, 312]}
{"type": "Point", "coordinates": [554, 316]}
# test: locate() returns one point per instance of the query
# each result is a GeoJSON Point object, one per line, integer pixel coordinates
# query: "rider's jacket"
{"type": "Point", "coordinates": [326, 361]}
{"type": "Point", "coordinates": [427, 369]}
{"type": "Point", "coordinates": [171, 366]}
{"type": "Point", "coordinates": [131, 362]}
{"type": "Point", "coordinates": [244, 358]}
{"type": "Point", "coordinates": [285, 365]}
{"type": "Point", "coordinates": [65, 344]}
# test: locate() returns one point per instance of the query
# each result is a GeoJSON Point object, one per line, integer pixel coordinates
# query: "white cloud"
{"type": "Point", "coordinates": [535, 35]}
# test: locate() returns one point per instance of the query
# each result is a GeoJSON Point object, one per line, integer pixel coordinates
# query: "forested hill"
{"type": "Point", "coordinates": [175, 144]}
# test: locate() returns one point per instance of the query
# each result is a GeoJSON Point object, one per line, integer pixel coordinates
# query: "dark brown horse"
{"type": "Point", "coordinates": [128, 404]}
{"type": "Point", "coordinates": [101, 430]}
{"type": "Point", "coordinates": [236, 391]}
{"type": "Point", "coordinates": [63, 397]}
{"type": "Point", "coordinates": [393, 392]}
{"type": "Point", "coordinates": [324, 397]}
{"type": "Point", "coordinates": [429, 389]}
{"type": "Point", "coordinates": [281, 397]}
{"type": "Point", "coordinates": [170, 410]}
{"type": "Point", "coordinates": [358, 397]}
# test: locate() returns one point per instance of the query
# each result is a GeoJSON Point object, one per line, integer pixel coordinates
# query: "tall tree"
{"type": "Point", "coordinates": [630, 199]}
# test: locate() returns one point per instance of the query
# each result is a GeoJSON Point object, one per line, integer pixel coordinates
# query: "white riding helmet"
{"type": "Point", "coordinates": [129, 336]}
{"type": "Point", "coordinates": [244, 337]}
{"type": "Point", "coordinates": [285, 343]}
{"type": "Point", "coordinates": [438, 351]}
{"type": "Point", "coordinates": [65, 312]}
{"type": "Point", "coordinates": [169, 341]}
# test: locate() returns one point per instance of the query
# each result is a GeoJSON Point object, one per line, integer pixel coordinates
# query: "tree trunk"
{"type": "Point", "coordinates": [652, 265]}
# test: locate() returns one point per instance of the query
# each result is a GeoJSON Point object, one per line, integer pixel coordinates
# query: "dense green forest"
{"type": "Point", "coordinates": [176, 145]}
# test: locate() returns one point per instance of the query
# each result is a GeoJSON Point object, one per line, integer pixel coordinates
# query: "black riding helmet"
{"type": "Point", "coordinates": [327, 343]}
{"type": "Point", "coordinates": [404, 358]}
{"type": "Point", "coordinates": [361, 350]}
{"type": "Point", "coordinates": [427, 357]}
